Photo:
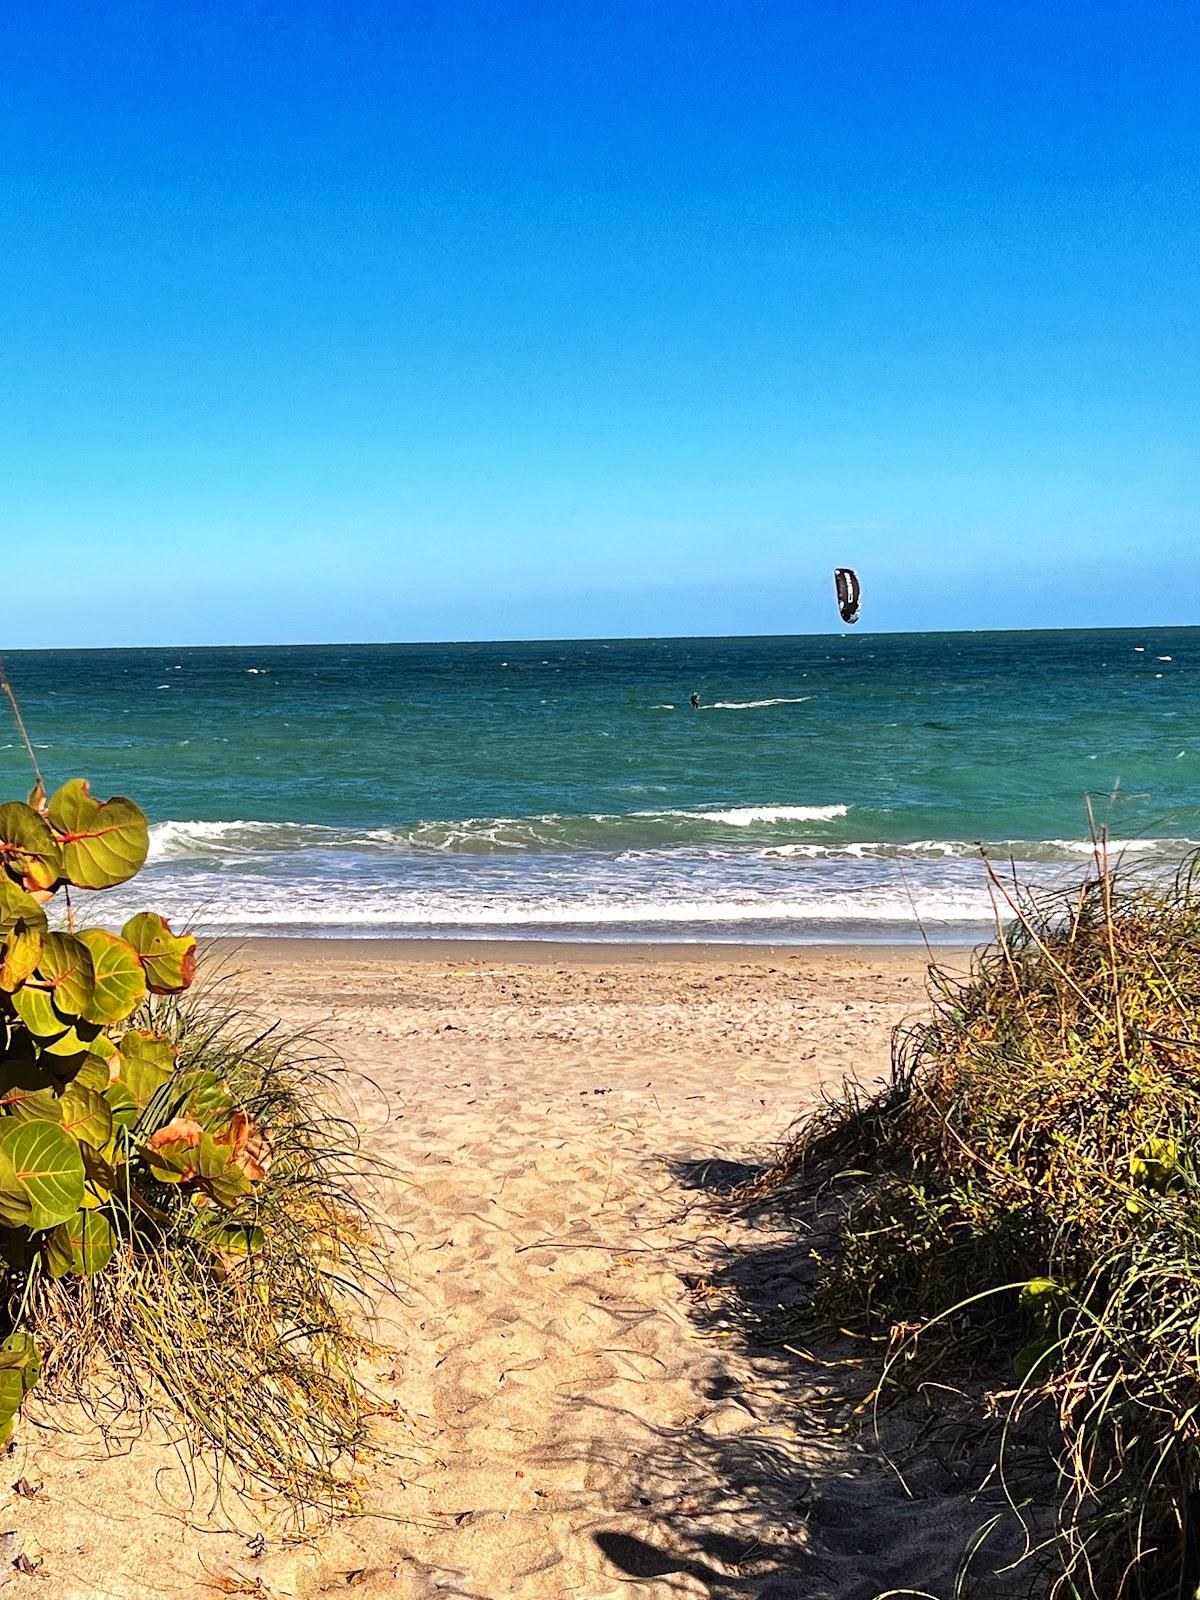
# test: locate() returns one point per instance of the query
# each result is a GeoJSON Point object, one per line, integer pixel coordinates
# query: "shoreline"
{"type": "Point", "coordinates": [273, 949]}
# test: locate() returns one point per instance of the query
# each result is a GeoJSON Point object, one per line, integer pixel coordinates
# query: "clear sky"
{"type": "Point", "coordinates": [435, 320]}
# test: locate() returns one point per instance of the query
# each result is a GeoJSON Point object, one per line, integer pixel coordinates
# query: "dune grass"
{"type": "Point", "coordinates": [1021, 1201]}
{"type": "Point", "coordinates": [251, 1357]}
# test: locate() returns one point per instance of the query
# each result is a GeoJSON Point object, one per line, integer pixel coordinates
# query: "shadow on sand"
{"type": "Point", "coordinates": [781, 1487]}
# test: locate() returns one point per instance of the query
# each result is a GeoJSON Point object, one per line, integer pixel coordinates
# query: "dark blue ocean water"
{"type": "Point", "coordinates": [831, 786]}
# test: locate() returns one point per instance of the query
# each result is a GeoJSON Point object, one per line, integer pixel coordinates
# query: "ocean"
{"type": "Point", "coordinates": [833, 787]}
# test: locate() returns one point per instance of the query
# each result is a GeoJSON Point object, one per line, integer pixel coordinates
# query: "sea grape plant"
{"type": "Point", "coordinates": [102, 1133]}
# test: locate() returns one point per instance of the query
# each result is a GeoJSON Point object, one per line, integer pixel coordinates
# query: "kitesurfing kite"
{"type": "Point", "coordinates": [849, 592]}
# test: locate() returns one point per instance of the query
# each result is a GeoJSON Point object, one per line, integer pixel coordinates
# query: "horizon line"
{"type": "Point", "coordinates": [616, 638]}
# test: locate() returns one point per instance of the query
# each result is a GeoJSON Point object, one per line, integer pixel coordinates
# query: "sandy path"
{"type": "Point", "coordinates": [576, 1433]}
{"type": "Point", "coordinates": [583, 1435]}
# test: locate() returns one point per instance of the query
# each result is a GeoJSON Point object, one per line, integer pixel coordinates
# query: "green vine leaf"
{"type": "Point", "coordinates": [233, 1238]}
{"type": "Point", "coordinates": [71, 1046]}
{"type": "Point", "coordinates": [30, 853]}
{"type": "Point", "coordinates": [1156, 1165]}
{"type": "Point", "coordinates": [22, 927]}
{"type": "Point", "coordinates": [125, 1109]}
{"type": "Point", "coordinates": [169, 958]}
{"type": "Point", "coordinates": [16, 1206]}
{"type": "Point", "coordinates": [22, 1082]}
{"type": "Point", "coordinates": [48, 1167]}
{"type": "Point", "coordinates": [82, 1245]}
{"type": "Point", "coordinates": [65, 969]}
{"type": "Point", "coordinates": [103, 842]}
{"type": "Point", "coordinates": [20, 1366]}
{"type": "Point", "coordinates": [194, 1092]}
{"type": "Point", "coordinates": [120, 982]}
{"type": "Point", "coordinates": [33, 1105]}
{"type": "Point", "coordinates": [86, 1115]}
{"type": "Point", "coordinates": [147, 1063]}
{"type": "Point", "coordinates": [36, 1010]}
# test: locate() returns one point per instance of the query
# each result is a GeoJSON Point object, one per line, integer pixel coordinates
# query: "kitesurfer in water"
{"type": "Point", "coordinates": [695, 701]}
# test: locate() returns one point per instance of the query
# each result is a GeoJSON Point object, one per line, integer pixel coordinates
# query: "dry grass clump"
{"type": "Point", "coordinates": [1024, 1196]}
{"type": "Point", "coordinates": [250, 1349]}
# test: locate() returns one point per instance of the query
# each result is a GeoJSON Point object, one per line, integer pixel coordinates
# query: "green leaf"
{"type": "Point", "coordinates": [22, 925]}
{"type": "Point", "coordinates": [83, 1245]}
{"type": "Point", "coordinates": [219, 1174]}
{"type": "Point", "coordinates": [170, 1151]}
{"type": "Point", "coordinates": [235, 1238]}
{"type": "Point", "coordinates": [65, 968]}
{"type": "Point", "coordinates": [194, 1092]}
{"type": "Point", "coordinates": [103, 843]}
{"type": "Point", "coordinates": [18, 908]}
{"type": "Point", "coordinates": [200, 1093]}
{"type": "Point", "coordinates": [183, 1152]}
{"type": "Point", "coordinates": [120, 983]}
{"type": "Point", "coordinates": [125, 1109]}
{"type": "Point", "coordinates": [22, 947]}
{"type": "Point", "coordinates": [22, 1081]}
{"type": "Point", "coordinates": [33, 1105]}
{"type": "Point", "coordinates": [49, 1168]}
{"type": "Point", "coordinates": [15, 1203]}
{"type": "Point", "coordinates": [86, 1115]}
{"type": "Point", "coordinates": [1156, 1165]}
{"type": "Point", "coordinates": [1044, 1295]}
{"type": "Point", "coordinates": [93, 1072]}
{"type": "Point", "coordinates": [36, 1011]}
{"type": "Point", "coordinates": [76, 1042]}
{"type": "Point", "coordinates": [20, 1366]}
{"type": "Point", "coordinates": [29, 851]}
{"type": "Point", "coordinates": [147, 1063]}
{"type": "Point", "coordinates": [169, 958]}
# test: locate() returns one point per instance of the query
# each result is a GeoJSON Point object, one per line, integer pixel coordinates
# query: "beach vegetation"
{"type": "Point", "coordinates": [181, 1215]}
{"type": "Point", "coordinates": [1020, 1204]}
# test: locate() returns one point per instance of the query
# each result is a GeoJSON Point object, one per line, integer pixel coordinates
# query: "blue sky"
{"type": "Point", "coordinates": [386, 321]}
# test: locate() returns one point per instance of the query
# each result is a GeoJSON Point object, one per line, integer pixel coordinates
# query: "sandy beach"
{"type": "Point", "coordinates": [573, 1415]}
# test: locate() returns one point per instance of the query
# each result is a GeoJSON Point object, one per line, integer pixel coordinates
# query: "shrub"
{"type": "Point", "coordinates": [177, 1206]}
{"type": "Point", "coordinates": [1024, 1196]}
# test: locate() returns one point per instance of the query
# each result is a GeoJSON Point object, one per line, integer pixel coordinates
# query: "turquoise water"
{"type": "Point", "coordinates": [828, 787]}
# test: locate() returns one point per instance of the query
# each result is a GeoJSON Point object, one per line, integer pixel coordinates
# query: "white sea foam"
{"type": "Point", "coordinates": [1116, 847]}
{"type": "Point", "coordinates": [746, 816]}
{"type": "Point", "coordinates": [259, 906]}
{"type": "Point", "coordinates": [753, 705]}
{"type": "Point", "coordinates": [1026, 851]}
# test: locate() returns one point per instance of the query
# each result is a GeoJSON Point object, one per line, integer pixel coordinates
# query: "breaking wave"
{"type": "Point", "coordinates": [746, 816]}
{"type": "Point", "coordinates": [178, 841]}
{"type": "Point", "coordinates": [754, 873]}
{"type": "Point", "coordinates": [665, 833]}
